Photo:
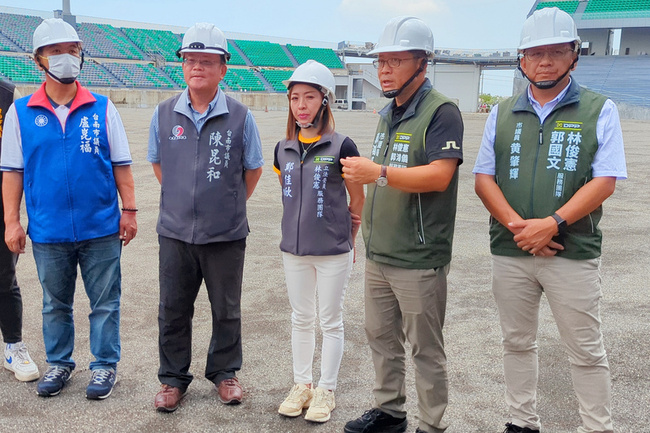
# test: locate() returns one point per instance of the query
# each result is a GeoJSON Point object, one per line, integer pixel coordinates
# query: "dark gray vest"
{"type": "Point", "coordinates": [203, 192]}
{"type": "Point", "coordinates": [316, 220]}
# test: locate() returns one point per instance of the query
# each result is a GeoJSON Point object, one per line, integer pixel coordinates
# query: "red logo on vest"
{"type": "Point", "coordinates": [177, 133]}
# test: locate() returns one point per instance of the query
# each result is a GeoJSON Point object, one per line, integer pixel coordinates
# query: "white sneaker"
{"type": "Point", "coordinates": [17, 359]}
{"type": "Point", "coordinates": [299, 398]}
{"type": "Point", "coordinates": [321, 406]}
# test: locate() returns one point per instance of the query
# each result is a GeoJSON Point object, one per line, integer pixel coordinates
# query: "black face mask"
{"type": "Point", "coordinates": [395, 93]}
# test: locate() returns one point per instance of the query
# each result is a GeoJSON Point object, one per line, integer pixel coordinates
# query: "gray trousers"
{"type": "Point", "coordinates": [408, 304]}
{"type": "Point", "coordinates": [572, 288]}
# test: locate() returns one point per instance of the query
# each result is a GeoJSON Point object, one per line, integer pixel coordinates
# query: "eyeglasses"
{"type": "Point", "coordinates": [554, 54]}
{"type": "Point", "coordinates": [204, 63]}
{"type": "Point", "coordinates": [393, 63]}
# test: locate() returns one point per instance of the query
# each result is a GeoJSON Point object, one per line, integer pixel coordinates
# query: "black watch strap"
{"type": "Point", "coordinates": [561, 224]}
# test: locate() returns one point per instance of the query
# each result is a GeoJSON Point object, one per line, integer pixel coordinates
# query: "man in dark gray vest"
{"type": "Point", "coordinates": [207, 155]}
{"type": "Point", "coordinates": [17, 358]}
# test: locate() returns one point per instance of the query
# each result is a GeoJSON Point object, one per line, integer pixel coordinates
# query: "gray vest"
{"type": "Point", "coordinates": [316, 220]}
{"type": "Point", "coordinates": [203, 192]}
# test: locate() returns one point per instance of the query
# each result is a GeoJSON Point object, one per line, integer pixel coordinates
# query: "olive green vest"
{"type": "Point", "coordinates": [409, 230]}
{"type": "Point", "coordinates": [539, 167]}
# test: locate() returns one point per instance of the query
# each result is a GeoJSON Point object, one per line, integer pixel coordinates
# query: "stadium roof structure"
{"type": "Point", "coordinates": [598, 14]}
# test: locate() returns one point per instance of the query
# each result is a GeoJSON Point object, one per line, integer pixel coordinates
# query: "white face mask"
{"type": "Point", "coordinates": [64, 67]}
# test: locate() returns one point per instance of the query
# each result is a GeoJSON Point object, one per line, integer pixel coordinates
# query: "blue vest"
{"type": "Point", "coordinates": [203, 191]}
{"type": "Point", "coordinates": [70, 190]}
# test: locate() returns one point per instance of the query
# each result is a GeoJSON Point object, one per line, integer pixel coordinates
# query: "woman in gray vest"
{"type": "Point", "coordinates": [318, 234]}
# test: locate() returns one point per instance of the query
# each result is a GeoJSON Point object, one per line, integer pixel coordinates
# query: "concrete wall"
{"type": "Point", "coordinates": [458, 82]}
{"type": "Point", "coordinates": [597, 38]}
{"type": "Point", "coordinates": [637, 40]}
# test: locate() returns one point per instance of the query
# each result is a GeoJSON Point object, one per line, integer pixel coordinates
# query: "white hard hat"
{"type": "Point", "coordinates": [53, 31]}
{"type": "Point", "coordinates": [312, 72]}
{"type": "Point", "coordinates": [548, 26]}
{"type": "Point", "coordinates": [404, 34]}
{"type": "Point", "coordinates": [204, 38]}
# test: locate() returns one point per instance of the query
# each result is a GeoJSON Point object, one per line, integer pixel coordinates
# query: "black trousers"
{"type": "Point", "coordinates": [11, 304]}
{"type": "Point", "coordinates": [183, 267]}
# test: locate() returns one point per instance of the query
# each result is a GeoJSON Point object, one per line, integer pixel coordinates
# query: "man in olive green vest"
{"type": "Point", "coordinates": [549, 158]}
{"type": "Point", "coordinates": [408, 226]}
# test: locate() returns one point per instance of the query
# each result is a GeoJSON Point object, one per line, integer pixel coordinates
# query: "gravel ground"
{"type": "Point", "coordinates": [472, 330]}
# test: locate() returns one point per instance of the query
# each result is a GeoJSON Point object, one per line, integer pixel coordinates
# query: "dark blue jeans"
{"type": "Point", "coordinates": [99, 262]}
{"type": "Point", "coordinates": [183, 267]}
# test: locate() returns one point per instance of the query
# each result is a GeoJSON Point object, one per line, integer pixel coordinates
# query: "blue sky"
{"type": "Point", "coordinates": [466, 24]}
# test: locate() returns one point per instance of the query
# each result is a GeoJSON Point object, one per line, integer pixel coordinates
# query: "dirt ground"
{"type": "Point", "coordinates": [471, 330]}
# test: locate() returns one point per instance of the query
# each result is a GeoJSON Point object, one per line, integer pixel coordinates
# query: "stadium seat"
{"type": "Point", "coordinates": [104, 40]}
{"type": "Point", "coordinates": [161, 42]}
{"type": "Point", "coordinates": [567, 6]}
{"type": "Point", "coordinates": [262, 53]}
{"type": "Point", "coordinates": [325, 56]}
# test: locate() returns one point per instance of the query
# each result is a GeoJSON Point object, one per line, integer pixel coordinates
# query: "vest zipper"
{"type": "Point", "coordinates": [196, 180]}
{"type": "Point", "coordinates": [420, 222]}
{"type": "Point", "coordinates": [374, 195]}
{"type": "Point", "coordinates": [532, 184]}
{"type": "Point", "coordinates": [302, 158]}
{"type": "Point", "coordinates": [302, 154]}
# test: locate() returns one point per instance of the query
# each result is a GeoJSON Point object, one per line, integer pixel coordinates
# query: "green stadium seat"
{"type": "Point", "coordinates": [262, 53]}
{"type": "Point", "coordinates": [104, 40]}
{"type": "Point", "coordinates": [325, 56]}
{"type": "Point", "coordinates": [19, 29]}
{"type": "Point", "coordinates": [161, 42]}
{"type": "Point", "coordinates": [20, 69]}
{"type": "Point", "coordinates": [567, 6]}
{"type": "Point", "coordinates": [617, 9]}
{"type": "Point", "coordinates": [275, 77]}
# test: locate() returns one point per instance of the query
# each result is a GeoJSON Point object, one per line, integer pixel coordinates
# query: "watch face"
{"type": "Point", "coordinates": [382, 181]}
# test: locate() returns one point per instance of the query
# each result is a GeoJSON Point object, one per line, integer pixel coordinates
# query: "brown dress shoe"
{"type": "Point", "coordinates": [168, 398]}
{"type": "Point", "coordinates": [230, 391]}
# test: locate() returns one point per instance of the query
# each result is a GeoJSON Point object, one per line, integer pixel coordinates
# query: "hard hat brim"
{"type": "Point", "coordinates": [395, 49]}
{"type": "Point", "coordinates": [548, 41]}
{"type": "Point", "coordinates": [57, 41]}
{"type": "Point", "coordinates": [207, 51]}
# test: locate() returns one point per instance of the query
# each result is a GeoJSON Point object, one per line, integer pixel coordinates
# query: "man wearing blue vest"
{"type": "Point", "coordinates": [408, 226]}
{"type": "Point", "coordinates": [17, 357]}
{"type": "Point", "coordinates": [207, 155]}
{"type": "Point", "coordinates": [548, 160]}
{"type": "Point", "coordinates": [67, 149]}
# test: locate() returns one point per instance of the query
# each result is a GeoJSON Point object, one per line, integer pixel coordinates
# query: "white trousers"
{"type": "Point", "coordinates": [572, 288]}
{"type": "Point", "coordinates": [306, 276]}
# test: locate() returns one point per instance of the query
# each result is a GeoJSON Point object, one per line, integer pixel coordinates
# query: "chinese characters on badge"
{"type": "Point", "coordinates": [90, 143]}
{"type": "Point", "coordinates": [219, 154]}
{"type": "Point", "coordinates": [563, 151]}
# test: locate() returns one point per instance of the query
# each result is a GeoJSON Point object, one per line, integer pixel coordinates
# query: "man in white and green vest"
{"type": "Point", "coordinates": [548, 160]}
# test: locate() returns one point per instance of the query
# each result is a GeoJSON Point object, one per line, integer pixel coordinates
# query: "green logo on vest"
{"type": "Point", "coordinates": [324, 160]}
{"type": "Point", "coordinates": [563, 124]}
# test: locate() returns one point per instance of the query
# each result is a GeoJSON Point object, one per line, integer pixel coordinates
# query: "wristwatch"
{"type": "Point", "coordinates": [382, 180]}
{"type": "Point", "coordinates": [561, 224]}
